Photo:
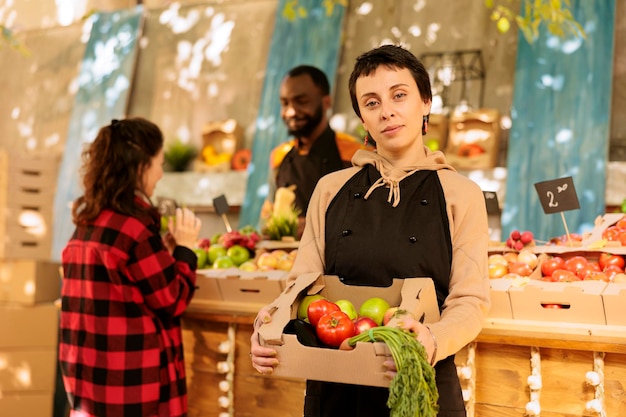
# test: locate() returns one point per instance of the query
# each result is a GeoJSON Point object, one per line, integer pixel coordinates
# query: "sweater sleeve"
{"type": "Point", "coordinates": [468, 302]}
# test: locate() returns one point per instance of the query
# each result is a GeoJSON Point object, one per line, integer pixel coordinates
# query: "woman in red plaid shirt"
{"type": "Point", "coordinates": [125, 286]}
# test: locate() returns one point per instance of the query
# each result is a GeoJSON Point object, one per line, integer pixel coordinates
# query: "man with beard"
{"type": "Point", "coordinates": [315, 149]}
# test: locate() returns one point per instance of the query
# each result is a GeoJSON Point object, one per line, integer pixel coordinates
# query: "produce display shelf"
{"type": "Point", "coordinates": [589, 337]}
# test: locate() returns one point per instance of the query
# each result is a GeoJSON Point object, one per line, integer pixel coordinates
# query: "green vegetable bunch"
{"type": "Point", "coordinates": [282, 225]}
{"type": "Point", "coordinates": [178, 155]}
{"type": "Point", "coordinates": [413, 391]}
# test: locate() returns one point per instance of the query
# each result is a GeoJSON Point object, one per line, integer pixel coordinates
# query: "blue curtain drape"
{"type": "Point", "coordinates": [105, 79]}
{"type": "Point", "coordinates": [560, 114]}
{"type": "Point", "coordinates": [313, 38]}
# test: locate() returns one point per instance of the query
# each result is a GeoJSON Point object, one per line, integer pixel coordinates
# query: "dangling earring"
{"type": "Point", "coordinates": [366, 140]}
{"type": "Point", "coordinates": [425, 125]}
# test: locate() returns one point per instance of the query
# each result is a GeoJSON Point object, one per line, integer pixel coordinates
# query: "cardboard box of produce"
{"type": "Point", "coordinates": [614, 297]}
{"type": "Point", "coordinates": [206, 281]}
{"type": "Point", "coordinates": [28, 370]}
{"type": "Point", "coordinates": [569, 302]}
{"type": "Point", "coordinates": [25, 327]}
{"type": "Point", "coordinates": [260, 287]}
{"type": "Point", "coordinates": [28, 282]}
{"type": "Point", "coordinates": [500, 301]}
{"type": "Point", "coordinates": [364, 364]}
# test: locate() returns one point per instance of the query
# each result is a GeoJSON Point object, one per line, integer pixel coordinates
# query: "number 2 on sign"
{"type": "Point", "coordinates": [550, 195]}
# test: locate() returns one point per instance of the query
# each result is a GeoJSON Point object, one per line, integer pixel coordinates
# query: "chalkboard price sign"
{"type": "Point", "coordinates": [557, 195]}
{"type": "Point", "coordinates": [491, 201]}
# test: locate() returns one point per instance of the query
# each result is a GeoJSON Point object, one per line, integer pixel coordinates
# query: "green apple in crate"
{"type": "Point", "coordinates": [238, 254]}
{"type": "Point", "coordinates": [203, 257]}
{"type": "Point", "coordinates": [215, 251]}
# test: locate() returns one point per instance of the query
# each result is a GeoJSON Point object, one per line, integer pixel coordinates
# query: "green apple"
{"type": "Point", "coordinates": [375, 309]}
{"type": "Point", "coordinates": [304, 305]}
{"type": "Point", "coordinates": [203, 258]}
{"type": "Point", "coordinates": [215, 251]}
{"type": "Point", "coordinates": [215, 238]}
{"type": "Point", "coordinates": [347, 307]}
{"type": "Point", "coordinates": [164, 223]}
{"type": "Point", "coordinates": [238, 254]}
{"type": "Point", "coordinates": [223, 262]}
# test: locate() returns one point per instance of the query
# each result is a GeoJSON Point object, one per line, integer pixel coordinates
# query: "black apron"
{"type": "Point", "coordinates": [304, 171]}
{"type": "Point", "coordinates": [369, 242]}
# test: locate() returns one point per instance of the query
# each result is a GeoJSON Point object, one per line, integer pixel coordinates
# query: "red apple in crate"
{"type": "Point", "coordinates": [204, 243]}
{"type": "Point", "coordinates": [364, 324]}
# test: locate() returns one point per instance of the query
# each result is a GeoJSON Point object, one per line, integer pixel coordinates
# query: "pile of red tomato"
{"type": "Point", "coordinates": [609, 268]}
{"type": "Point", "coordinates": [617, 232]}
{"type": "Point", "coordinates": [337, 321]}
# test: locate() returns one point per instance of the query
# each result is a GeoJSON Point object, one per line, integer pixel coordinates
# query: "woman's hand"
{"type": "Point", "coordinates": [424, 336]}
{"type": "Point", "coordinates": [185, 229]}
{"type": "Point", "coordinates": [263, 358]}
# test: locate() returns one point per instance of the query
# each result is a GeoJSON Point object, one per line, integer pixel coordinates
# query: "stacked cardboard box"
{"type": "Point", "coordinates": [27, 185]}
{"type": "Point", "coordinates": [29, 328]}
{"type": "Point", "coordinates": [29, 285]}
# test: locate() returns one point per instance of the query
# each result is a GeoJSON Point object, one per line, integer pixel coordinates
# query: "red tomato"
{"type": "Point", "coordinates": [335, 327]}
{"type": "Point", "coordinates": [612, 270]}
{"type": "Point", "coordinates": [318, 308]}
{"type": "Point", "coordinates": [621, 223]}
{"type": "Point", "coordinates": [551, 264]}
{"type": "Point", "coordinates": [607, 259]}
{"type": "Point", "coordinates": [597, 276]}
{"type": "Point", "coordinates": [588, 269]}
{"type": "Point", "coordinates": [611, 233]}
{"type": "Point", "coordinates": [363, 324]}
{"type": "Point", "coordinates": [575, 263]}
{"type": "Point", "coordinates": [564, 275]}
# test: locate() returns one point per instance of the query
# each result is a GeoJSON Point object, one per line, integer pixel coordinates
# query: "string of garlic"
{"type": "Point", "coordinates": [595, 378]}
{"type": "Point", "coordinates": [467, 375]}
{"type": "Point", "coordinates": [533, 407]}
{"type": "Point", "coordinates": [227, 367]}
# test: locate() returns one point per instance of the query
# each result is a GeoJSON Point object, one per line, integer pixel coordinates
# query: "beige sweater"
{"type": "Point", "coordinates": [468, 301]}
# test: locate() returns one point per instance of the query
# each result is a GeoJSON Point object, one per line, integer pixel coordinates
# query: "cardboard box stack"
{"type": "Point", "coordinates": [29, 285]}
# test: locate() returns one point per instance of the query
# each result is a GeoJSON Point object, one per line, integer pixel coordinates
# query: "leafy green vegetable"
{"type": "Point", "coordinates": [413, 391]}
{"type": "Point", "coordinates": [178, 155]}
{"type": "Point", "coordinates": [282, 225]}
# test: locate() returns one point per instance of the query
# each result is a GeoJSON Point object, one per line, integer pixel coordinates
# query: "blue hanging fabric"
{"type": "Point", "coordinates": [309, 34]}
{"type": "Point", "coordinates": [105, 80]}
{"type": "Point", "coordinates": [560, 114]}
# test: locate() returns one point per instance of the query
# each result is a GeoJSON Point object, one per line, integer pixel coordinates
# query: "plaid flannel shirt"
{"type": "Point", "coordinates": [120, 334]}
